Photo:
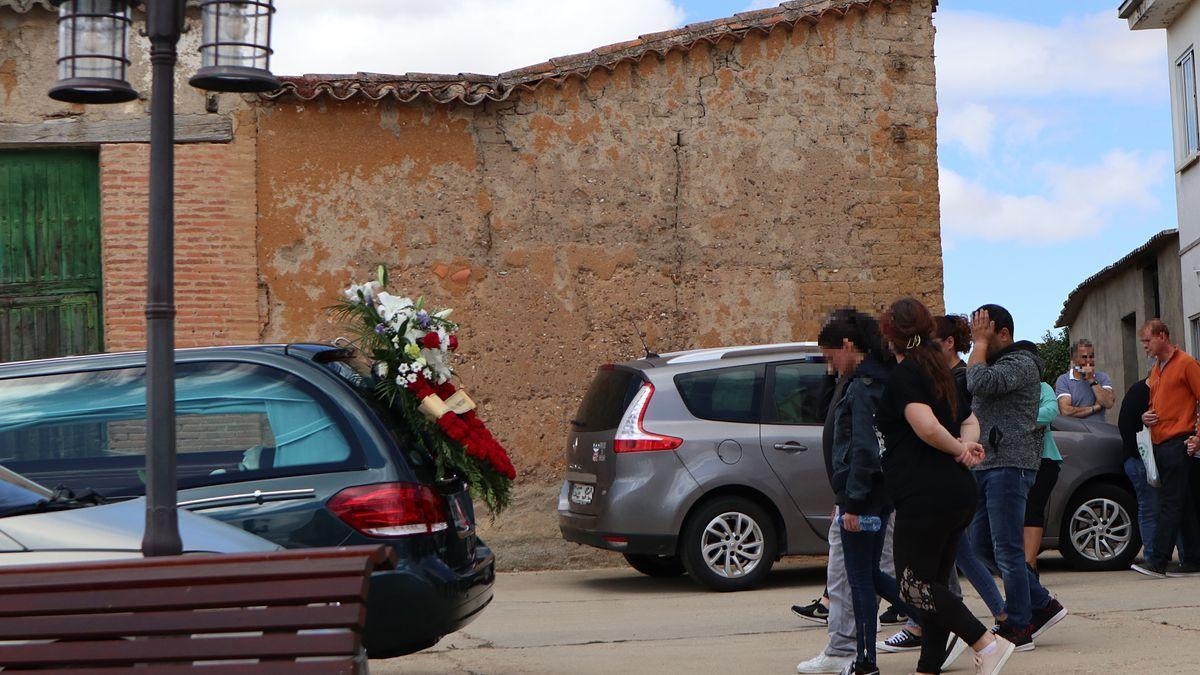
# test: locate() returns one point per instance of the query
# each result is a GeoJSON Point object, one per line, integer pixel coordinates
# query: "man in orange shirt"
{"type": "Point", "coordinates": [1174, 393]}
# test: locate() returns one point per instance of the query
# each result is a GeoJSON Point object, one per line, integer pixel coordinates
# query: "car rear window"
{"type": "Point", "coordinates": [611, 392]}
{"type": "Point", "coordinates": [724, 395]}
{"type": "Point", "coordinates": [234, 422]}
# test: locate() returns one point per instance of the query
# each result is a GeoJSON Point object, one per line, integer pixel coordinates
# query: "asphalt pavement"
{"type": "Point", "coordinates": [618, 621]}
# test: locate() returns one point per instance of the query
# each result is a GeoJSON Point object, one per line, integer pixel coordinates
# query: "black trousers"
{"type": "Point", "coordinates": [925, 544]}
{"type": "Point", "coordinates": [1176, 504]}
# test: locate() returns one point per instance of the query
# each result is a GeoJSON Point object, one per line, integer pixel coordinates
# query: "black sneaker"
{"type": "Point", "coordinates": [1023, 639]}
{"type": "Point", "coordinates": [1045, 618]}
{"type": "Point", "coordinates": [1150, 570]}
{"type": "Point", "coordinates": [814, 612]}
{"type": "Point", "coordinates": [904, 641]}
{"type": "Point", "coordinates": [893, 617]}
{"type": "Point", "coordinates": [1184, 570]}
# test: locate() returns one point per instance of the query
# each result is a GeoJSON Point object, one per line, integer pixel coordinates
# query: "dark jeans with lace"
{"type": "Point", "coordinates": [925, 545]}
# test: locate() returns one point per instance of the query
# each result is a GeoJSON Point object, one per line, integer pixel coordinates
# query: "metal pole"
{"type": "Point", "coordinates": [164, 23]}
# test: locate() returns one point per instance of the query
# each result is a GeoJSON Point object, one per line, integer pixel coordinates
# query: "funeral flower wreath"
{"type": "Point", "coordinates": [411, 348]}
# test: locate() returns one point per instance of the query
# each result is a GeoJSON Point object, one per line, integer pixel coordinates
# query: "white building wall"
{"type": "Point", "coordinates": [1182, 35]}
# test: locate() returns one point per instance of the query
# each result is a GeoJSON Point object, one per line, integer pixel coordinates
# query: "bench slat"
{"type": "Point", "coordinates": [328, 667]}
{"type": "Point", "coordinates": [381, 556]}
{"type": "Point", "coordinates": [96, 626]}
{"type": "Point", "coordinates": [200, 572]}
{"type": "Point", "coordinates": [180, 649]}
{"type": "Point", "coordinates": [248, 594]}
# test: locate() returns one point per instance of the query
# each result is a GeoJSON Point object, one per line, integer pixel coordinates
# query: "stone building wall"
{"type": "Point", "coordinates": [730, 191]}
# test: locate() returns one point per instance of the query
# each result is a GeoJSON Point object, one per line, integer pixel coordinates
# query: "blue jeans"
{"type": "Point", "coordinates": [1147, 499]}
{"type": "Point", "coordinates": [863, 551]}
{"type": "Point", "coordinates": [998, 532]}
{"type": "Point", "coordinates": [978, 575]}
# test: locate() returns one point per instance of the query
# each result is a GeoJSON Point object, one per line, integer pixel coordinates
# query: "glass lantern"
{"type": "Point", "coordinates": [93, 53]}
{"type": "Point", "coordinates": [235, 47]}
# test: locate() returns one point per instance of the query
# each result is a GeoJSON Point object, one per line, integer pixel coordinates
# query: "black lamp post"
{"type": "Point", "coordinates": [92, 61]}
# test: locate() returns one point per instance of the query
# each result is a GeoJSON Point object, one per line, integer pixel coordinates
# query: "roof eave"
{"type": "Point", "coordinates": [1151, 14]}
{"type": "Point", "coordinates": [1076, 298]}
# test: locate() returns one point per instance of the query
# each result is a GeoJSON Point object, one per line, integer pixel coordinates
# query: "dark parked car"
{"type": "Point", "coordinates": [279, 440]}
{"type": "Point", "coordinates": [709, 463]}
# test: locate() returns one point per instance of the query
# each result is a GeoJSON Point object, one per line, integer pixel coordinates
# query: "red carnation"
{"type": "Point", "coordinates": [453, 343]}
{"type": "Point", "coordinates": [431, 341]}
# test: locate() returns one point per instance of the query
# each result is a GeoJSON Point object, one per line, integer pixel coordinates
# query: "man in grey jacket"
{"type": "Point", "coordinates": [1004, 378]}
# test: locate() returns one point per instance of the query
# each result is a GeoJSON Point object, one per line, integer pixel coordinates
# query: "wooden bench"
{"type": "Point", "coordinates": [294, 611]}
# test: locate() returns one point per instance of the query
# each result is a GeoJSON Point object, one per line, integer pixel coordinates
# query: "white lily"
{"type": "Point", "coordinates": [392, 307]}
{"type": "Point", "coordinates": [443, 314]}
{"type": "Point", "coordinates": [369, 292]}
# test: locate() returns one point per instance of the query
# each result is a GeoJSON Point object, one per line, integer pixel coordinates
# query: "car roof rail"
{"type": "Point", "coordinates": [718, 353]}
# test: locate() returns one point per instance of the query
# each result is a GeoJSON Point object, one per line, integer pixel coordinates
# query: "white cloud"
{"type": "Point", "coordinates": [971, 125]}
{"type": "Point", "coordinates": [452, 36]}
{"type": "Point", "coordinates": [982, 56]}
{"type": "Point", "coordinates": [1078, 200]}
{"type": "Point", "coordinates": [762, 4]}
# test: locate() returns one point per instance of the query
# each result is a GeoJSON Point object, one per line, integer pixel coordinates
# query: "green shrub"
{"type": "Point", "coordinates": [1055, 350]}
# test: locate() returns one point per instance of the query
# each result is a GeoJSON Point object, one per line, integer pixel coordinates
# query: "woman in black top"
{"type": "Point", "coordinates": [931, 438]}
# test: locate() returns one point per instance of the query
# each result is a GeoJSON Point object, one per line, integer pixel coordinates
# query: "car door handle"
{"type": "Point", "coordinates": [791, 446]}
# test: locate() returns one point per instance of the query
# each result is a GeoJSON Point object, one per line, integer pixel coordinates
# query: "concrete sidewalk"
{"type": "Point", "coordinates": [617, 621]}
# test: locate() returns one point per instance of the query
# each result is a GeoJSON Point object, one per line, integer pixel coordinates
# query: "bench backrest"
{"type": "Point", "coordinates": [289, 611]}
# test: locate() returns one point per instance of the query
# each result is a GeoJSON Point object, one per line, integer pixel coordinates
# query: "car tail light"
{"type": "Point", "coordinates": [631, 436]}
{"type": "Point", "coordinates": [390, 509]}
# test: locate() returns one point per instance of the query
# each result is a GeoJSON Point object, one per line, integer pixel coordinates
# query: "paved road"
{"type": "Point", "coordinates": [617, 621]}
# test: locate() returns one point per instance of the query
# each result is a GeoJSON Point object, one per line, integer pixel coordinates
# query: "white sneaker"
{"type": "Point", "coordinates": [824, 663]}
{"type": "Point", "coordinates": [954, 649]}
{"type": "Point", "coordinates": [992, 662]}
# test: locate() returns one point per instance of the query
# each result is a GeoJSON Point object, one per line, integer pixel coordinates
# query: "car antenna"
{"type": "Point", "coordinates": [649, 354]}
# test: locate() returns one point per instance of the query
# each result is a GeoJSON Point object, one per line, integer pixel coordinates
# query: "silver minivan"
{"type": "Point", "coordinates": [709, 462]}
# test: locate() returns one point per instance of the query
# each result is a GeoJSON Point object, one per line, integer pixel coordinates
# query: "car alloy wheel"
{"type": "Point", "coordinates": [1100, 529]}
{"type": "Point", "coordinates": [732, 545]}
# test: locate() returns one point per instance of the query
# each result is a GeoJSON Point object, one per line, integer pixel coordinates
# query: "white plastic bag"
{"type": "Point", "coordinates": [1146, 450]}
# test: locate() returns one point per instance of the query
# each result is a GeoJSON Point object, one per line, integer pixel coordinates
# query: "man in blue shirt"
{"type": "Point", "coordinates": [1084, 392]}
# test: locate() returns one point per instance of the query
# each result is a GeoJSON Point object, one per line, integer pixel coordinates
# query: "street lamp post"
{"type": "Point", "coordinates": [235, 54]}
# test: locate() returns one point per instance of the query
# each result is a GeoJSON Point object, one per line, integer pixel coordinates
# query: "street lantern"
{"type": "Point", "coordinates": [92, 51]}
{"type": "Point", "coordinates": [235, 47]}
{"type": "Point", "coordinates": [236, 53]}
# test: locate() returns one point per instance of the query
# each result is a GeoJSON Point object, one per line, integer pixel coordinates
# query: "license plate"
{"type": "Point", "coordinates": [582, 494]}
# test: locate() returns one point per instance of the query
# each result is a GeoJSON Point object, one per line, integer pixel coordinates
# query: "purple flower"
{"type": "Point", "coordinates": [380, 328]}
{"type": "Point", "coordinates": [423, 319]}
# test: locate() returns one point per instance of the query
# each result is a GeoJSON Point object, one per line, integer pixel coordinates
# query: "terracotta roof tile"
{"type": "Point", "coordinates": [473, 89]}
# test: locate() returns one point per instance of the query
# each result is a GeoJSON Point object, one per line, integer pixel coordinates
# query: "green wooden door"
{"type": "Point", "coordinates": [50, 273]}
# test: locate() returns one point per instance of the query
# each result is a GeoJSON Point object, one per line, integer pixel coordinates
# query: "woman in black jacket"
{"type": "Point", "coordinates": [852, 344]}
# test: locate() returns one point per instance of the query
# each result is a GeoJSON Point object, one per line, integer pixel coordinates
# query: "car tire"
{"type": "Point", "coordinates": [1113, 547]}
{"type": "Point", "coordinates": [743, 530]}
{"type": "Point", "coordinates": [656, 565]}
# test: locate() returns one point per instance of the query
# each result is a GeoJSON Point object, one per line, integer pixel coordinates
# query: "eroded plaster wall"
{"type": "Point", "coordinates": [732, 194]}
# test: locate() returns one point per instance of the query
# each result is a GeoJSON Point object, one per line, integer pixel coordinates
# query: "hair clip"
{"type": "Point", "coordinates": [913, 342]}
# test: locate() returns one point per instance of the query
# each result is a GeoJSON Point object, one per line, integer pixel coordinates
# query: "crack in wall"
{"type": "Point", "coordinates": [677, 278]}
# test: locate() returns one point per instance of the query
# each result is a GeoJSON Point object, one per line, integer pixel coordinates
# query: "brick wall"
{"type": "Point", "coordinates": [731, 194]}
{"type": "Point", "coordinates": [216, 290]}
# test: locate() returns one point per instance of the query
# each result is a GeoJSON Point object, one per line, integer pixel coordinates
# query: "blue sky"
{"type": "Point", "coordinates": [1054, 119]}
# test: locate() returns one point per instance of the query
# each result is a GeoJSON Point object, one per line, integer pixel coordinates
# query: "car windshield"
{"type": "Point", "coordinates": [18, 494]}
